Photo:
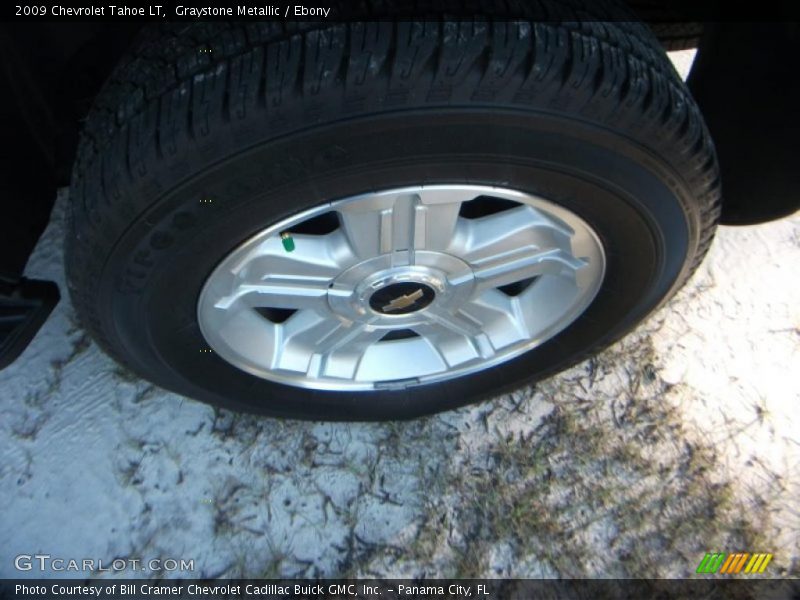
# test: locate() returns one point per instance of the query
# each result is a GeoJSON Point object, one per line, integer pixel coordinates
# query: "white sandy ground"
{"type": "Point", "coordinates": [682, 438]}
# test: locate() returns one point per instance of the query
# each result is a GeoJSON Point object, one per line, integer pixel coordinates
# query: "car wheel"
{"type": "Point", "coordinates": [381, 220]}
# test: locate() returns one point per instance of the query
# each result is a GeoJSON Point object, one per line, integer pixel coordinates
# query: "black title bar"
{"type": "Point", "coordinates": [332, 10]}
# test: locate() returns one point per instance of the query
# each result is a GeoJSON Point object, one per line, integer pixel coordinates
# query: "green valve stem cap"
{"type": "Point", "coordinates": [288, 241]}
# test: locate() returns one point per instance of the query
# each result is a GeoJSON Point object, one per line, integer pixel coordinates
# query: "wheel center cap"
{"type": "Point", "coordinates": [379, 294]}
{"type": "Point", "coordinates": [402, 298]}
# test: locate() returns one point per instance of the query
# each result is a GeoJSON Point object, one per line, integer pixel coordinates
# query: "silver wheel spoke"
{"type": "Point", "coordinates": [272, 277]}
{"type": "Point", "coordinates": [456, 337]}
{"type": "Point", "coordinates": [329, 348]}
{"type": "Point", "coordinates": [399, 224]}
{"type": "Point", "coordinates": [515, 245]}
{"type": "Point", "coordinates": [277, 292]}
{"type": "Point", "coordinates": [505, 269]}
{"type": "Point", "coordinates": [454, 322]}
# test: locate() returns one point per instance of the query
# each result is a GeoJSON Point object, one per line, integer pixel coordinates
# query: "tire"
{"type": "Point", "coordinates": [209, 133]}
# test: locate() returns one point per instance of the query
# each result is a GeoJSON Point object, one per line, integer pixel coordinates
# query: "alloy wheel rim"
{"type": "Point", "coordinates": [401, 287]}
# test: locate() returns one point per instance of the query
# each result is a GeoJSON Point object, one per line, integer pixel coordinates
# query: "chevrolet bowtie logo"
{"type": "Point", "coordinates": [403, 301]}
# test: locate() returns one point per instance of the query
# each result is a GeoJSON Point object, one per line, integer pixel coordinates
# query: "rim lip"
{"type": "Point", "coordinates": [551, 209]}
